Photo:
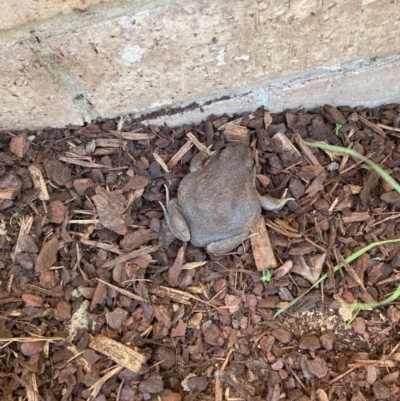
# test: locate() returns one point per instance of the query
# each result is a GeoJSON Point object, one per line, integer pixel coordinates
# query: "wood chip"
{"type": "Point", "coordinates": [177, 295]}
{"type": "Point", "coordinates": [32, 392]}
{"type": "Point", "coordinates": [121, 354]}
{"type": "Point", "coordinates": [233, 132]}
{"type": "Point", "coordinates": [124, 292]}
{"type": "Point", "coordinates": [356, 217]}
{"type": "Point", "coordinates": [107, 247]}
{"type": "Point", "coordinates": [161, 162]}
{"type": "Point", "coordinates": [373, 126]}
{"type": "Point", "coordinates": [82, 163]}
{"type": "Point", "coordinates": [193, 265]}
{"type": "Point", "coordinates": [133, 136]}
{"type": "Point", "coordinates": [267, 119]}
{"type": "Point", "coordinates": [38, 182]}
{"type": "Point", "coordinates": [199, 145]}
{"type": "Point", "coordinates": [242, 387]}
{"type": "Point", "coordinates": [96, 387]}
{"type": "Point", "coordinates": [130, 255]}
{"type": "Point", "coordinates": [19, 145]}
{"type": "Point", "coordinates": [110, 143]}
{"type": "Point", "coordinates": [175, 269]}
{"type": "Point", "coordinates": [238, 121]}
{"type": "Point", "coordinates": [286, 145]}
{"type": "Point", "coordinates": [110, 207]}
{"type": "Point", "coordinates": [262, 250]}
{"type": "Point", "coordinates": [48, 255]}
{"type": "Point", "coordinates": [26, 225]}
{"type": "Point", "coordinates": [104, 151]}
{"type": "Point", "coordinates": [306, 150]}
{"type": "Point", "coordinates": [179, 154]}
{"type": "Point", "coordinates": [388, 127]}
{"type": "Point", "coordinates": [281, 227]}
{"type": "Point", "coordinates": [10, 186]}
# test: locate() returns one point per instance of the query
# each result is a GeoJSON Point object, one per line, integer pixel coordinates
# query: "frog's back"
{"type": "Point", "coordinates": [220, 200]}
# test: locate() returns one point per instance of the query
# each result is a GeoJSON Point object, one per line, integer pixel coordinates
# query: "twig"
{"type": "Point", "coordinates": [124, 292]}
{"type": "Point", "coordinates": [96, 387]}
{"type": "Point", "coordinates": [130, 255]}
{"type": "Point", "coordinates": [26, 225]}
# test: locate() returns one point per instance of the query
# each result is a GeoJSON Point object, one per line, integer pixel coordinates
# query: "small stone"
{"type": "Point", "coordinates": [359, 325]}
{"type": "Point", "coordinates": [32, 300]}
{"type": "Point", "coordinates": [110, 207]}
{"type": "Point", "coordinates": [56, 212]}
{"type": "Point", "coordinates": [266, 343]}
{"type": "Point", "coordinates": [381, 391]}
{"type": "Point", "coordinates": [25, 260]}
{"type": "Point", "coordinates": [10, 186]}
{"type": "Point", "coordinates": [233, 302]}
{"type": "Point", "coordinates": [197, 383]}
{"type": "Point", "coordinates": [153, 384]}
{"type": "Point", "coordinates": [310, 343]}
{"type": "Point", "coordinates": [166, 395]}
{"type": "Point", "coordinates": [179, 330]}
{"type": "Point", "coordinates": [294, 394]}
{"type": "Point", "coordinates": [327, 340]}
{"type": "Point", "coordinates": [62, 311]}
{"type": "Point", "coordinates": [84, 186]}
{"type": "Point", "coordinates": [278, 365]}
{"type": "Point", "coordinates": [213, 336]}
{"type": "Point", "coordinates": [48, 279]}
{"type": "Point", "coordinates": [32, 348]}
{"type": "Point", "coordinates": [19, 145]}
{"type": "Point", "coordinates": [27, 244]}
{"type": "Point", "coordinates": [91, 356]}
{"type": "Point", "coordinates": [47, 255]}
{"type": "Point", "coordinates": [334, 166]}
{"type": "Point", "coordinates": [115, 318]}
{"type": "Point", "coordinates": [358, 397]}
{"type": "Point", "coordinates": [165, 356]}
{"type": "Point", "coordinates": [58, 172]}
{"type": "Point", "coordinates": [136, 182]}
{"type": "Point", "coordinates": [282, 335]}
{"type": "Point", "coordinates": [321, 395]}
{"type": "Point", "coordinates": [317, 367]}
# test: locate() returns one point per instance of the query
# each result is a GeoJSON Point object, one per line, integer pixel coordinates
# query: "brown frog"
{"type": "Point", "coordinates": [217, 202]}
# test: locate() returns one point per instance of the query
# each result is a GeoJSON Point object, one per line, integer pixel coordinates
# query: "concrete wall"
{"type": "Point", "coordinates": [71, 61]}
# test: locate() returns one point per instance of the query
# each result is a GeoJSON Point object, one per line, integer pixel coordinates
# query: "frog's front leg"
{"type": "Point", "coordinates": [227, 244]}
{"type": "Point", "coordinates": [176, 221]}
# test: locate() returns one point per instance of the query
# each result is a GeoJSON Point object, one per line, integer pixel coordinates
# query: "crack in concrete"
{"type": "Point", "coordinates": [74, 92]}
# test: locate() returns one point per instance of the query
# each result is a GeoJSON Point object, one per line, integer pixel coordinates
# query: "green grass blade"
{"type": "Point", "coordinates": [349, 259]}
{"type": "Point", "coordinates": [391, 298]}
{"type": "Point", "coordinates": [385, 176]}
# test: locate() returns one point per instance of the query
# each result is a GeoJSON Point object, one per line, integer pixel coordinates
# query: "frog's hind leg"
{"type": "Point", "coordinates": [227, 244]}
{"type": "Point", "coordinates": [175, 219]}
{"type": "Point", "coordinates": [272, 204]}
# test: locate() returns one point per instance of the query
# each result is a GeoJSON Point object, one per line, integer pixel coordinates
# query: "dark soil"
{"type": "Point", "coordinates": [100, 302]}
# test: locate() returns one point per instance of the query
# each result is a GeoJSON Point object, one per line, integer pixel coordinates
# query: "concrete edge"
{"type": "Point", "coordinates": [250, 97]}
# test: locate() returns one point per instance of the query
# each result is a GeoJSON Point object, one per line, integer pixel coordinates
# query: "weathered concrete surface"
{"type": "Point", "coordinates": [139, 56]}
{"type": "Point", "coordinates": [188, 49]}
{"type": "Point", "coordinates": [15, 13]}
{"type": "Point", "coordinates": [369, 86]}
{"type": "Point", "coordinates": [28, 95]}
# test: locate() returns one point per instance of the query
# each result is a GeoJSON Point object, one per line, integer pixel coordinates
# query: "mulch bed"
{"type": "Point", "coordinates": [100, 302]}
